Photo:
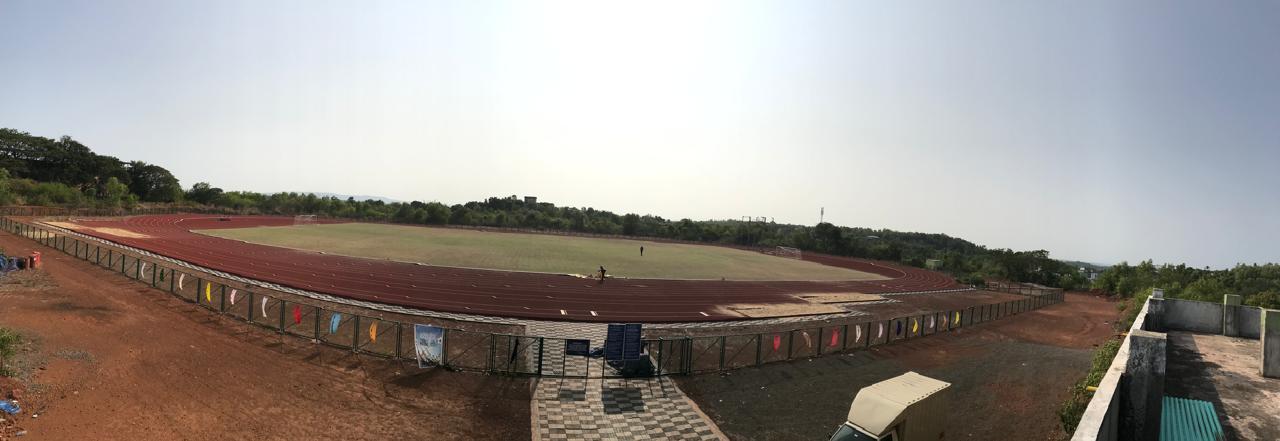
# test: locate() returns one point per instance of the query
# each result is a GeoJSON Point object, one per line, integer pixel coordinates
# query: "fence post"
{"type": "Point", "coordinates": [399, 328]}
{"type": "Point", "coordinates": [791, 338]}
{"type": "Point", "coordinates": [355, 333]}
{"type": "Point", "coordinates": [541, 349]}
{"type": "Point", "coordinates": [722, 345]}
{"type": "Point", "coordinates": [248, 315]}
{"type": "Point", "coordinates": [282, 305]}
{"type": "Point", "coordinates": [444, 347]}
{"type": "Point", "coordinates": [172, 276]}
{"type": "Point", "coordinates": [222, 299]}
{"type": "Point", "coordinates": [317, 324]}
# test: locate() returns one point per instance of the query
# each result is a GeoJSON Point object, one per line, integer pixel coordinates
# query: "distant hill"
{"type": "Point", "coordinates": [1089, 265]}
{"type": "Point", "coordinates": [356, 197]}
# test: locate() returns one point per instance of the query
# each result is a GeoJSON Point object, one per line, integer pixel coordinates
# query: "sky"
{"type": "Point", "coordinates": [1098, 130]}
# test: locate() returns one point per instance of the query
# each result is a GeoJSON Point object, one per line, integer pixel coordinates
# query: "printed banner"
{"type": "Point", "coordinates": [429, 342]}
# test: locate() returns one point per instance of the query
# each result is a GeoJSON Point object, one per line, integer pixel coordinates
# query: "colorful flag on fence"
{"type": "Point", "coordinates": [835, 338]}
{"type": "Point", "coordinates": [264, 307]}
{"type": "Point", "coordinates": [777, 342]}
{"type": "Point", "coordinates": [233, 297]}
{"type": "Point", "coordinates": [428, 341]}
{"type": "Point", "coordinates": [181, 277]}
{"type": "Point", "coordinates": [334, 321]}
{"type": "Point", "coordinates": [373, 332]}
{"type": "Point", "coordinates": [208, 295]}
{"type": "Point", "coordinates": [297, 314]}
{"type": "Point", "coordinates": [142, 269]}
{"type": "Point", "coordinates": [808, 342]}
{"type": "Point", "coordinates": [857, 333]}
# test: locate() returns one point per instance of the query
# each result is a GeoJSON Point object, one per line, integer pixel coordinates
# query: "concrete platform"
{"type": "Point", "coordinates": [1224, 371]}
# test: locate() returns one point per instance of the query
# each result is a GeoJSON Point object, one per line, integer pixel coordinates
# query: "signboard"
{"type": "Point", "coordinates": [429, 344]}
{"type": "Point", "coordinates": [613, 342]}
{"type": "Point", "coordinates": [631, 341]}
{"type": "Point", "coordinates": [577, 347]}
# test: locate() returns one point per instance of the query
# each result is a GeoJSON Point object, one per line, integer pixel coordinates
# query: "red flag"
{"type": "Point", "coordinates": [297, 314]}
{"type": "Point", "coordinates": [835, 337]}
{"type": "Point", "coordinates": [777, 342]}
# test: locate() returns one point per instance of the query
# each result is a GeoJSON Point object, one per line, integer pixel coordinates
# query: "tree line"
{"type": "Point", "coordinates": [1258, 285]}
{"type": "Point", "coordinates": [64, 172]}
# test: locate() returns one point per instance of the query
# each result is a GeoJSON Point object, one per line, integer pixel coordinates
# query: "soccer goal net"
{"type": "Point", "coordinates": [788, 252]}
{"type": "Point", "coordinates": [304, 219]}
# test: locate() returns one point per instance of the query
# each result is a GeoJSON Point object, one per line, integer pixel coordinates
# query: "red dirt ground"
{"type": "Point", "coordinates": [113, 359]}
{"type": "Point", "coordinates": [489, 292]}
{"type": "Point", "coordinates": [1009, 378]}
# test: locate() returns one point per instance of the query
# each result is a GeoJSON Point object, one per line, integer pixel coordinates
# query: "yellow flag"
{"type": "Point", "coordinates": [915, 325]}
{"type": "Point", "coordinates": [373, 332]}
{"type": "Point", "coordinates": [208, 297]}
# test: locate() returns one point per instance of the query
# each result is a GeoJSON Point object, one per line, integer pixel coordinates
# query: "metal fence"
{"type": "Point", "coordinates": [506, 353]}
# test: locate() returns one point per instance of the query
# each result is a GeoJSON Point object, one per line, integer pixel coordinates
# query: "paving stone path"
{"type": "Point", "coordinates": [617, 410]}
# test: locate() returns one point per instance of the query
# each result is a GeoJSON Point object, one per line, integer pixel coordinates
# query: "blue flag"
{"type": "Point", "coordinates": [334, 321]}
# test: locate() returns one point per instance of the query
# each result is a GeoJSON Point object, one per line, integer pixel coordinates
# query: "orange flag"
{"type": "Point", "coordinates": [373, 332]}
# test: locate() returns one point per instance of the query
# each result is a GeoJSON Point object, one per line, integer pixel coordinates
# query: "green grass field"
{"type": "Point", "coordinates": [539, 253]}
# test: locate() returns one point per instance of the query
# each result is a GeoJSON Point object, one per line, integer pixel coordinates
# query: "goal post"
{"type": "Point", "coordinates": [788, 252]}
{"type": "Point", "coordinates": [304, 219]}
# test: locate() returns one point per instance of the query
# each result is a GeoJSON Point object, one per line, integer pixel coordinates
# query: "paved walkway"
{"type": "Point", "coordinates": [617, 410]}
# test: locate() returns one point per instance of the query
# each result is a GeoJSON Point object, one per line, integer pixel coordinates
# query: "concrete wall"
{"type": "Point", "coordinates": [1207, 318]}
{"type": "Point", "coordinates": [1271, 344]}
{"type": "Point", "coordinates": [1193, 316]}
{"type": "Point", "coordinates": [1105, 417]}
{"type": "Point", "coordinates": [1249, 318]}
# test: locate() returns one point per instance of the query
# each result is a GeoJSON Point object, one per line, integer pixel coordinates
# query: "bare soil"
{"type": "Point", "coordinates": [108, 358]}
{"type": "Point", "coordinates": [1009, 378]}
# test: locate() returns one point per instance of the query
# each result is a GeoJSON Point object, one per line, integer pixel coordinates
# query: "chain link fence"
{"type": "Point", "coordinates": [506, 353]}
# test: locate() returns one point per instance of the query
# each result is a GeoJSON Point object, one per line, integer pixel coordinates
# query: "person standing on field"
{"type": "Point", "coordinates": [642, 251]}
{"type": "Point", "coordinates": [602, 271]}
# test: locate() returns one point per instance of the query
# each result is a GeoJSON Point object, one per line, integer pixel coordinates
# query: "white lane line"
{"type": "Point", "coordinates": [563, 313]}
{"type": "Point", "coordinates": [703, 314]}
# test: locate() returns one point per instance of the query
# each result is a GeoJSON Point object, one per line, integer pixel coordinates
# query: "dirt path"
{"type": "Point", "coordinates": [1009, 378]}
{"type": "Point", "coordinates": [113, 359]}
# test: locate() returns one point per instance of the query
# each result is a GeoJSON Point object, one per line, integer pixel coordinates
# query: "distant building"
{"type": "Point", "coordinates": [531, 200]}
{"type": "Point", "coordinates": [933, 264]}
{"type": "Point", "coordinates": [1089, 273]}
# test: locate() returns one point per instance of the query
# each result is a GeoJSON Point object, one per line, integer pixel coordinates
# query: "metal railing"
{"type": "Point", "coordinates": [507, 353]}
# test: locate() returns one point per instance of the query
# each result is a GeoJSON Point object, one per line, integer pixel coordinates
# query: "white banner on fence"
{"type": "Point", "coordinates": [429, 343]}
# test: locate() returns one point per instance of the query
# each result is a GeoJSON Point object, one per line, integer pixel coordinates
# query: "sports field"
{"type": "Point", "coordinates": [538, 252]}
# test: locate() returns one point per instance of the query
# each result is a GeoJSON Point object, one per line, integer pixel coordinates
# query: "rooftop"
{"type": "Point", "coordinates": [1224, 371]}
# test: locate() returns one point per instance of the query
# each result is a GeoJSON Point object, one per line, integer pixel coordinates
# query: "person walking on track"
{"type": "Point", "coordinates": [602, 271]}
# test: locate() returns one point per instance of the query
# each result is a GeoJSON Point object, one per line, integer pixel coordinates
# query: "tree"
{"type": "Point", "coordinates": [152, 183]}
{"type": "Point", "coordinates": [203, 193]}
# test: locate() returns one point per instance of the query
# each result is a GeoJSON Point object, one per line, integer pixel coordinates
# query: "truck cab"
{"type": "Point", "coordinates": [909, 407]}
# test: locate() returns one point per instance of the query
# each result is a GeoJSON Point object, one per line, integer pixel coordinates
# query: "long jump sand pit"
{"type": "Point", "coordinates": [118, 232]}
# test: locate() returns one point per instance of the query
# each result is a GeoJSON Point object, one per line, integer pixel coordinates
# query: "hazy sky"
{"type": "Point", "coordinates": [1102, 131]}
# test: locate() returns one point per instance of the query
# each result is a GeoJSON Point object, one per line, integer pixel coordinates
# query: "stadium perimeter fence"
{"type": "Point", "coordinates": [507, 353]}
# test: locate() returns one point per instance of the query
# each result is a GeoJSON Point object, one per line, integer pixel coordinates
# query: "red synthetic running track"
{"type": "Point", "coordinates": [488, 292]}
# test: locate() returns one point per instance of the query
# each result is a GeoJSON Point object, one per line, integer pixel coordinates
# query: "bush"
{"type": "Point", "coordinates": [9, 340]}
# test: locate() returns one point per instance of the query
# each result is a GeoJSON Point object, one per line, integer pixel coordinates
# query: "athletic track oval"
{"type": "Point", "coordinates": [486, 292]}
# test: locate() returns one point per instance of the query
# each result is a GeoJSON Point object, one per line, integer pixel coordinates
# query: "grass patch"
{"type": "Point", "coordinates": [1073, 409]}
{"type": "Point", "coordinates": [539, 252]}
{"type": "Point", "coordinates": [9, 341]}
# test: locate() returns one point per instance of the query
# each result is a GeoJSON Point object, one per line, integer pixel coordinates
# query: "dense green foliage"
{"type": "Point", "coordinates": [1259, 285]}
{"type": "Point", "coordinates": [43, 171]}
